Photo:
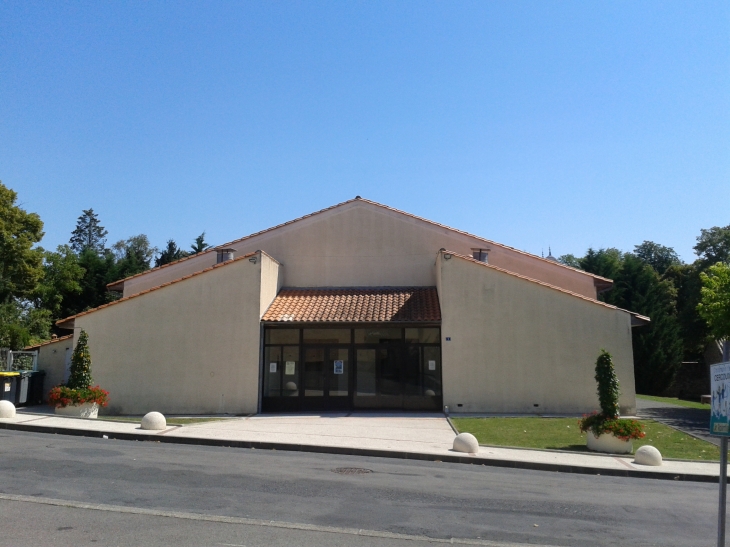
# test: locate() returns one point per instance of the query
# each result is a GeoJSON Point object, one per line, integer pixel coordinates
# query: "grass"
{"type": "Point", "coordinates": [675, 401]}
{"type": "Point", "coordinates": [564, 434]}
{"type": "Point", "coordinates": [170, 421]}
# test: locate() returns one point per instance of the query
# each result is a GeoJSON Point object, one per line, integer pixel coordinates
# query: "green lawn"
{"type": "Point", "coordinates": [170, 421]}
{"type": "Point", "coordinates": [564, 434]}
{"type": "Point", "coordinates": [675, 401]}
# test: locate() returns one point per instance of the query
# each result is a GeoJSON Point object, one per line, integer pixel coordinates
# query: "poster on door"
{"type": "Point", "coordinates": [339, 367]}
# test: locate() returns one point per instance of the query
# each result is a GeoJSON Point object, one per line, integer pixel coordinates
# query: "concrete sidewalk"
{"type": "Point", "coordinates": [394, 435]}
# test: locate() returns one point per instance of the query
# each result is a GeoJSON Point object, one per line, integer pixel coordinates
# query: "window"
{"type": "Point", "coordinates": [480, 254]}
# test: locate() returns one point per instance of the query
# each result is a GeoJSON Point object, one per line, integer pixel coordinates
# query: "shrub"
{"type": "Point", "coordinates": [608, 421]}
{"type": "Point", "coordinates": [80, 377]}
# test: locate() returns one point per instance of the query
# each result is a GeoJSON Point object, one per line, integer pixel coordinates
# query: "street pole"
{"type": "Point", "coordinates": [723, 493]}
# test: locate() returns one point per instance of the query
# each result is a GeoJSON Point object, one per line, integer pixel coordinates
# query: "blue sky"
{"type": "Point", "coordinates": [535, 124]}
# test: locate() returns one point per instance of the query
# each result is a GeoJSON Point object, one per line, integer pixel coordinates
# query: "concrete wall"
{"type": "Point", "coordinates": [52, 359]}
{"type": "Point", "coordinates": [190, 347]}
{"type": "Point", "coordinates": [515, 344]}
{"type": "Point", "coordinates": [363, 244]}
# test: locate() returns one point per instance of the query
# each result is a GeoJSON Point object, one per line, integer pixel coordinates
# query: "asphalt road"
{"type": "Point", "coordinates": [59, 490]}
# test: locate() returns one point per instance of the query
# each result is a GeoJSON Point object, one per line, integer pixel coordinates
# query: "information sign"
{"type": "Point", "coordinates": [720, 384]}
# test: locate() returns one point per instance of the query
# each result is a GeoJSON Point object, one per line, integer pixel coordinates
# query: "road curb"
{"type": "Point", "coordinates": [346, 451]}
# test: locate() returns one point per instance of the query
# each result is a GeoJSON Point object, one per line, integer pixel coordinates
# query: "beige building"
{"type": "Point", "coordinates": [358, 306]}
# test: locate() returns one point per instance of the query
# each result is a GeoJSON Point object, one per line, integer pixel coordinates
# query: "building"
{"type": "Point", "coordinates": [358, 306]}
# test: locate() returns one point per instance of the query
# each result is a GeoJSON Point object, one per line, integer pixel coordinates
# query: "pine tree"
{"type": "Point", "coordinates": [608, 390]}
{"type": "Point", "coordinates": [80, 377]}
{"type": "Point", "coordinates": [170, 253]}
{"type": "Point", "coordinates": [89, 234]}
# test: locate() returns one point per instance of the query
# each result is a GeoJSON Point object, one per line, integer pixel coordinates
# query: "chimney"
{"type": "Point", "coordinates": [224, 255]}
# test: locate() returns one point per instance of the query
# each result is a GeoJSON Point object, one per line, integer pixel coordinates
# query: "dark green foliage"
{"type": "Point", "coordinates": [713, 246]}
{"type": "Point", "coordinates": [199, 245]}
{"type": "Point", "coordinates": [80, 377]}
{"type": "Point", "coordinates": [604, 262]}
{"type": "Point", "coordinates": [608, 389]}
{"type": "Point", "coordinates": [692, 328]}
{"type": "Point", "coordinates": [657, 256]}
{"type": "Point", "coordinates": [170, 253]}
{"type": "Point", "coordinates": [133, 256]}
{"type": "Point", "coordinates": [569, 260]}
{"type": "Point", "coordinates": [89, 234]}
{"type": "Point", "coordinates": [20, 264]}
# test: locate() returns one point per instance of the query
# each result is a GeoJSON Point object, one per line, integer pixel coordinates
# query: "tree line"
{"type": "Point", "coordinates": [688, 303]}
{"type": "Point", "coordinates": [652, 280]}
{"type": "Point", "coordinates": [39, 286]}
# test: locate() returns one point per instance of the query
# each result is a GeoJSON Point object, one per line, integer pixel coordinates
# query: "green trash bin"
{"type": "Point", "coordinates": [36, 392]}
{"type": "Point", "coordinates": [8, 386]}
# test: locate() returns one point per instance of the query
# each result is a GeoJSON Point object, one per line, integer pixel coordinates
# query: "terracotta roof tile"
{"type": "Point", "coordinates": [51, 341]}
{"type": "Point", "coordinates": [355, 305]}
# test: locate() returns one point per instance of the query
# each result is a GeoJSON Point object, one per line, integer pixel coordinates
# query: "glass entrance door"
{"type": "Point", "coordinates": [326, 378]}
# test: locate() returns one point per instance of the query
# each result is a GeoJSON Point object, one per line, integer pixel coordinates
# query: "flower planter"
{"type": "Point", "coordinates": [608, 443]}
{"type": "Point", "coordinates": [85, 410]}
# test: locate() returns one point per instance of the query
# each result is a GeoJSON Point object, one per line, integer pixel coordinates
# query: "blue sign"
{"type": "Point", "coordinates": [720, 383]}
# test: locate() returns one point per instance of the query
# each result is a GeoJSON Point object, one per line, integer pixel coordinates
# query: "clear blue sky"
{"type": "Point", "coordinates": [535, 124]}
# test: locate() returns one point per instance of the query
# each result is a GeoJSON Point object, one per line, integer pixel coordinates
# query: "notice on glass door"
{"type": "Point", "coordinates": [290, 368]}
{"type": "Point", "coordinates": [339, 367]}
{"type": "Point", "coordinates": [432, 365]}
{"type": "Point", "coordinates": [272, 367]}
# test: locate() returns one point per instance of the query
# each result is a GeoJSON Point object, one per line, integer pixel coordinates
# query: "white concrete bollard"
{"type": "Point", "coordinates": [154, 420]}
{"type": "Point", "coordinates": [647, 455]}
{"type": "Point", "coordinates": [466, 442]}
{"type": "Point", "coordinates": [7, 409]}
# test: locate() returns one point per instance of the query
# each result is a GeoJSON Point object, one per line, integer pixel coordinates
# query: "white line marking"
{"type": "Point", "coordinates": [258, 522]}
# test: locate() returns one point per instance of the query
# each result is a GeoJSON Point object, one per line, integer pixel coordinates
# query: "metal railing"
{"type": "Point", "coordinates": [18, 360]}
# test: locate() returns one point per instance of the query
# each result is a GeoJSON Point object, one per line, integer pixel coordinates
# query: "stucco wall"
{"type": "Point", "coordinates": [52, 360]}
{"type": "Point", "coordinates": [362, 244]}
{"type": "Point", "coordinates": [515, 344]}
{"type": "Point", "coordinates": [190, 347]}
{"type": "Point", "coordinates": [158, 276]}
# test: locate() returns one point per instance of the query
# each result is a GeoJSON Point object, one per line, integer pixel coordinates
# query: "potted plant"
{"type": "Point", "coordinates": [606, 431]}
{"type": "Point", "coordinates": [78, 398]}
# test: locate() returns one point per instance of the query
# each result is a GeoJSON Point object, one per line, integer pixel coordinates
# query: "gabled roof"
{"type": "Point", "coordinates": [636, 319]}
{"type": "Point", "coordinates": [51, 341]}
{"type": "Point", "coordinates": [601, 282]}
{"type": "Point", "coordinates": [63, 323]}
{"type": "Point", "coordinates": [355, 305]}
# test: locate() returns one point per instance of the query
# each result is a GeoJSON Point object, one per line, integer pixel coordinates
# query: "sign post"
{"type": "Point", "coordinates": [720, 426]}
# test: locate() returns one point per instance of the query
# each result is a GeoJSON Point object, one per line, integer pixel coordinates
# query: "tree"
{"type": "Point", "coordinates": [80, 377]}
{"type": "Point", "coordinates": [569, 260]}
{"type": "Point", "coordinates": [199, 245]}
{"type": "Point", "coordinates": [133, 256]}
{"type": "Point", "coordinates": [713, 246]}
{"type": "Point", "coordinates": [89, 234]}
{"type": "Point", "coordinates": [23, 325]}
{"type": "Point", "coordinates": [170, 253]}
{"type": "Point", "coordinates": [657, 346]}
{"type": "Point", "coordinates": [659, 257]}
{"type": "Point", "coordinates": [20, 263]}
{"type": "Point", "coordinates": [715, 305]}
{"type": "Point", "coordinates": [61, 283]}
{"type": "Point", "coordinates": [603, 262]}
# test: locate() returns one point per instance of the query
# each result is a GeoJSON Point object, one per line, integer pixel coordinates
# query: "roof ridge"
{"type": "Point", "coordinates": [157, 287]}
{"type": "Point", "coordinates": [51, 341]}
{"type": "Point", "coordinates": [555, 287]}
{"type": "Point", "coordinates": [376, 204]}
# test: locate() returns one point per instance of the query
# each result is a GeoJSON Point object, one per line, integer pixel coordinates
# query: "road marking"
{"type": "Point", "coordinates": [258, 522]}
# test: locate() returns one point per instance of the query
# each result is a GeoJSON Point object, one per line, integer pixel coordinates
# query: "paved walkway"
{"type": "Point", "coordinates": [693, 421]}
{"type": "Point", "coordinates": [396, 435]}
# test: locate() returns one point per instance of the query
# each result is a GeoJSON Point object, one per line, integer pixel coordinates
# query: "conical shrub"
{"type": "Point", "coordinates": [80, 377]}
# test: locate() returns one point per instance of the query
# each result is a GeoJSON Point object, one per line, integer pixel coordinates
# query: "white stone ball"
{"type": "Point", "coordinates": [647, 455]}
{"type": "Point", "coordinates": [7, 409]}
{"type": "Point", "coordinates": [466, 442]}
{"type": "Point", "coordinates": [154, 420]}
{"type": "Point", "coordinates": [290, 386]}
{"type": "Point", "coordinates": [429, 393]}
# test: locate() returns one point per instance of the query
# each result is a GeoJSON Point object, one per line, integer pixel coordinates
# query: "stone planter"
{"type": "Point", "coordinates": [608, 443]}
{"type": "Point", "coordinates": [86, 410]}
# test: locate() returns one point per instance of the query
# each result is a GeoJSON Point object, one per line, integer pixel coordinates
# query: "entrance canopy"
{"type": "Point", "coordinates": [345, 348]}
{"type": "Point", "coordinates": [356, 305]}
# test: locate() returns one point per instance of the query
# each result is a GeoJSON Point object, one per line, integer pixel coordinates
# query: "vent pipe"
{"type": "Point", "coordinates": [224, 255]}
